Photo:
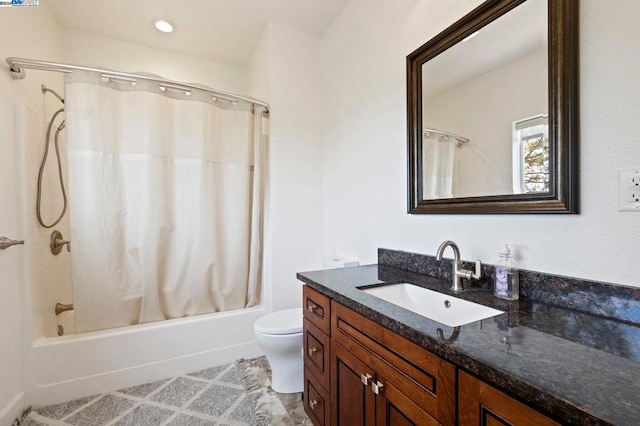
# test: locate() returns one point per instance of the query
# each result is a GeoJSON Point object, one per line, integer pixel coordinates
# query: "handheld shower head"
{"type": "Point", "coordinates": [45, 89]}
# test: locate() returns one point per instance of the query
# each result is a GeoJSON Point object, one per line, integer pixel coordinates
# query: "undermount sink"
{"type": "Point", "coordinates": [443, 308]}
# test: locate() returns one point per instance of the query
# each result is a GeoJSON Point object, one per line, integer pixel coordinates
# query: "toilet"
{"type": "Point", "coordinates": [279, 335]}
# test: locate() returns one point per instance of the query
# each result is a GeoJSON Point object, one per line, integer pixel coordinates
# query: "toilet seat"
{"type": "Point", "coordinates": [288, 321]}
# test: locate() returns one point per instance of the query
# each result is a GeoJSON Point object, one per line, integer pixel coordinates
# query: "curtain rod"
{"type": "Point", "coordinates": [17, 67]}
{"type": "Point", "coordinates": [460, 140]}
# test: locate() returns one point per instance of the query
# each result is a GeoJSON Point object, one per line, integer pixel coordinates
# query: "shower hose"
{"type": "Point", "coordinates": [44, 162]}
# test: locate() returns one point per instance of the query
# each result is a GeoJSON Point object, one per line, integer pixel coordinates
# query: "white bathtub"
{"type": "Point", "coordinates": [72, 366]}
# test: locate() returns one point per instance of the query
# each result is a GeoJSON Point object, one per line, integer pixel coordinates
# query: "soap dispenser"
{"type": "Point", "coordinates": [507, 281]}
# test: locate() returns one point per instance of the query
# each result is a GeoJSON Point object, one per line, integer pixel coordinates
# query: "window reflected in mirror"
{"type": "Point", "coordinates": [531, 155]}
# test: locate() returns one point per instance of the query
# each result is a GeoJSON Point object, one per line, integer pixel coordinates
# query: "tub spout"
{"type": "Point", "coordinates": [60, 308]}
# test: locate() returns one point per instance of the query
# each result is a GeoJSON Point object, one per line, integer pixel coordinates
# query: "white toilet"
{"type": "Point", "coordinates": [279, 335]}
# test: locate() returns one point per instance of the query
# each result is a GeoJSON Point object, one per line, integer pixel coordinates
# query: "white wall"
{"type": "Point", "coordinates": [82, 48]}
{"type": "Point", "coordinates": [364, 145]}
{"type": "Point", "coordinates": [285, 71]}
{"type": "Point", "coordinates": [28, 32]}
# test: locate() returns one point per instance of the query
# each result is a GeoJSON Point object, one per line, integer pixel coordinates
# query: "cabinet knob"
{"type": "Point", "coordinates": [311, 351]}
{"type": "Point", "coordinates": [364, 378]}
{"type": "Point", "coordinates": [377, 387]}
{"type": "Point", "coordinates": [313, 404]}
{"type": "Point", "coordinates": [311, 307]}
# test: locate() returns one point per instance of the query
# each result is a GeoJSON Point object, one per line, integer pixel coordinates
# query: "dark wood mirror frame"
{"type": "Point", "coordinates": [563, 115]}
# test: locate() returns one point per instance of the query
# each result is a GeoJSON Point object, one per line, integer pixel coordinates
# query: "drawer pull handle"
{"type": "Point", "coordinates": [311, 351]}
{"type": "Point", "coordinates": [364, 378]}
{"type": "Point", "coordinates": [313, 404]}
{"type": "Point", "coordinates": [312, 308]}
{"type": "Point", "coordinates": [377, 387]}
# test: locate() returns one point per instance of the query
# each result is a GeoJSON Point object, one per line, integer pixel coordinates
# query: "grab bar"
{"type": "Point", "coordinates": [60, 308]}
{"type": "Point", "coordinates": [5, 243]}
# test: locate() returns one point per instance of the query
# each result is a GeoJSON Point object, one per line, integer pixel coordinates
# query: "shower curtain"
{"type": "Point", "coordinates": [166, 199]}
{"type": "Point", "coordinates": [437, 169]}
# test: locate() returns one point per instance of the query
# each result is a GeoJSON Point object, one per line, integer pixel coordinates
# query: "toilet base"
{"type": "Point", "coordinates": [284, 354]}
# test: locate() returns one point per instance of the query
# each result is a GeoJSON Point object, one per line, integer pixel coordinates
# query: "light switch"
{"type": "Point", "coordinates": [629, 190]}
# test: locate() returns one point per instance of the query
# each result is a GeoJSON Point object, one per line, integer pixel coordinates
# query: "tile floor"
{"type": "Point", "coordinates": [214, 396]}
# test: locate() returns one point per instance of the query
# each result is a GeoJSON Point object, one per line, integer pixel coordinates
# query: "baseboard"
{"type": "Point", "coordinates": [55, 393]}
{"type": "Point", "coordinates": [12, 410]}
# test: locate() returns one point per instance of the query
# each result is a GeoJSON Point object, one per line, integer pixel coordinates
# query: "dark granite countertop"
{"type": "Point", "coordinates": [578, 367]}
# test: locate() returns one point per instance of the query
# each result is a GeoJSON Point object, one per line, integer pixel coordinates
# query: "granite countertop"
{"type": "Point", "coordinates": [579, 367]}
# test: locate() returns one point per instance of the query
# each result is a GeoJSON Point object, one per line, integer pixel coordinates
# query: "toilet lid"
{"type": "Point", "coordinates": [288, 321]}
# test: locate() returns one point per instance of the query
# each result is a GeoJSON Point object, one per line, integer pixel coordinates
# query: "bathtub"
{"type": "Point", "coordinates": [76, 365]}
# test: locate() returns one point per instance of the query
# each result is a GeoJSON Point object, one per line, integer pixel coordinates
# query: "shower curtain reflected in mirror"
{"type": "Point", "coordinates": [438, 160]}
{"type": "Point", "coordinates": [166, 196]}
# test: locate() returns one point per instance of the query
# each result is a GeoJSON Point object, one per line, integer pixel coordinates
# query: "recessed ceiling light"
{"type": "Point", "coordinates": [164, 26]}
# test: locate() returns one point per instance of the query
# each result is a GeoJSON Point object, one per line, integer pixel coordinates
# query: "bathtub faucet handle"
{"type": "Point", "coordinates": [57, 242]}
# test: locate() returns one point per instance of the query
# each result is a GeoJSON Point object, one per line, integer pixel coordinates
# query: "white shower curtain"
{"type": "Point", "coordinates": [166, 195]}
{"type": "Point", "coordinates": [437, 167]}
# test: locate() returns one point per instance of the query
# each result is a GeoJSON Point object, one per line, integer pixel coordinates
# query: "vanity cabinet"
{"type": "Point", "coordinates": [380, 378]}
{"type": "Point", "coordinates": [358, 372]}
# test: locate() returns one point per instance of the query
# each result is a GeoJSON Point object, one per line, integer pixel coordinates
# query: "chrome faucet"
{"type": "Point", "coordinates": [458, 272]}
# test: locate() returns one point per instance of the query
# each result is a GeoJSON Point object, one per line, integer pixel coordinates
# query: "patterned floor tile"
{"type": "Point", "coordinates": [209, 373]}
{"type": "Point", "coordinates": [143, 390]}
{"type": "Point", "coordinates": [225, 397]}
{"type": "Point", "coordinates": [295, 407]}
{"type": "Point", "coordinates": [179, 392]}
{"type": "Point", "coordinates": [58, 411]}
{"type": "Point", "coordinates": [145, 415]}
{"type": "Point", "coordinates": [101, 412]}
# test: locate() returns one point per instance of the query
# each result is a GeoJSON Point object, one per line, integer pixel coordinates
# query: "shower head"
{"type": "Point", "coordinates": [45, 89]}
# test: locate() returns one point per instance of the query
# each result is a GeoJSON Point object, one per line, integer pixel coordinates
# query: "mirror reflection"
{"type": "Point", "coordinates": [485, 127]}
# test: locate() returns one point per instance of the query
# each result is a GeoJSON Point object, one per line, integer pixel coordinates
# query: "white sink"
{"type": "Point", "coordinates": [439, 307]}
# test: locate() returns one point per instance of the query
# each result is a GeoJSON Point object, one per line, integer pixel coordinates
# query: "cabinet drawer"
{"type": "Point", "coordinates": [316, 307]}
{"type": "Point", "coordinates": [428, 379]}
{"type": "Point", "coordinates": [316, 401]}
{"type": "Point", "coordinates": [316, 352]}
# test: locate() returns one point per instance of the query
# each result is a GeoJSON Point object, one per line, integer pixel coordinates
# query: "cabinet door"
{"type": "Point", "coordinates": [482, 404]}
{"type": "Point", "coordinates": [395, 408]}
{"type": "Point", "coordinates": [352, 401]}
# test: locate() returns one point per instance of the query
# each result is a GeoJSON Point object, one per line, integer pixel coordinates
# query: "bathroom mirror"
{"type": "Point", "coordinates": [493, 113]}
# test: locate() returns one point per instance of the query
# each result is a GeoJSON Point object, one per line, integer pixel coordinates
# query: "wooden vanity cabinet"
{"type": "Point", "coordinates": [357, 372]}
{"type": "Point", "coordinates": [380, 378]}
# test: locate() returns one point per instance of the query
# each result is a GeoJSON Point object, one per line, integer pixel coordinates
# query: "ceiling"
{"type": "Point", "coordinates": [521, 31]}
{"type": "Point", "coordinates": [220, 30]}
